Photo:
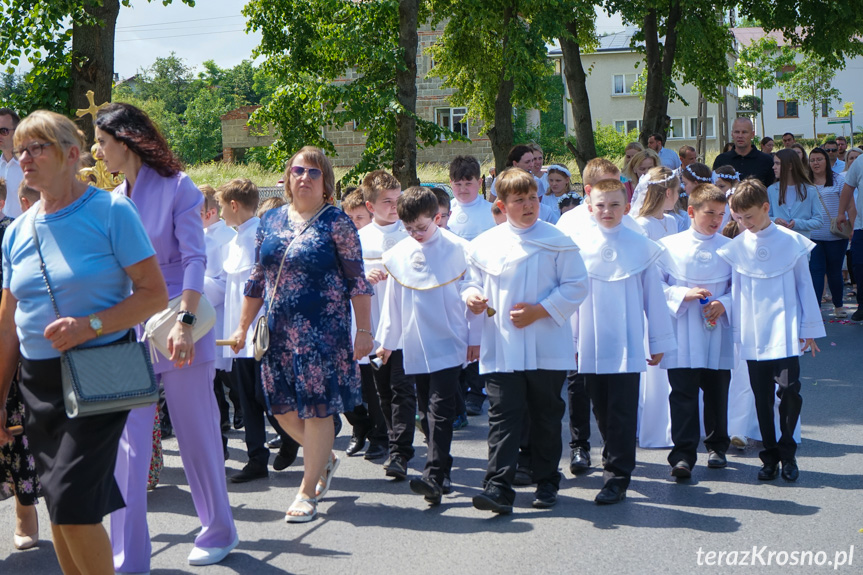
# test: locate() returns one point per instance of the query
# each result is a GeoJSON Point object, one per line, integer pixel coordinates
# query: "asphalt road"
{"type": "Point", "coordinates": [369, 523]}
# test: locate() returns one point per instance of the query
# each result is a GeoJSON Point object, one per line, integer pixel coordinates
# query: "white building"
{"type": "Point", "coordinates": [613, 69]}
{"type": "Point", "coordinates": [781, 115]}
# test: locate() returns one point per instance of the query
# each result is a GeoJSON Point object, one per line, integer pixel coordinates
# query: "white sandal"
{"type": "Point", "coordinates": [327, 478]}
{"type": "Point", "coordinates": [307, 507]}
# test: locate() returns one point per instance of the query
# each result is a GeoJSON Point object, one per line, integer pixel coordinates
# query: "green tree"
{"type": "Point", "coordinates": [758, 66]}
{"type": "Point", "coordinates": [200, 133]}
{"type": "Point", "coordinates": [493, 52]}
{"type": "Point", "coordinates": [170, 80]}
{"type": "Point", "coordinates": [811, 83]}
{"type": "Point", "coordinates": [69, 43]}
{"type": "Point", "coordinates": [337, 62]}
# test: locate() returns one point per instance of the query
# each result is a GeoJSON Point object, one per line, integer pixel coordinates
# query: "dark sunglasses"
{"type": "Point", "coordinates": [831, 150]}
{"type": "Point", "coordinates": [298, 171]}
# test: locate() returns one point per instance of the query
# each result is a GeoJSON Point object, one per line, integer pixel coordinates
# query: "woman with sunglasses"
{"type": "Point", "coordinates": [170, 207]}
{"type": "Point", "coordinates": [310, 273]}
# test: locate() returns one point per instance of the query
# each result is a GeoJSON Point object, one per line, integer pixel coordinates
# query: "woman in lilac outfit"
{"type": "Point", "coordinates": [170, 206]}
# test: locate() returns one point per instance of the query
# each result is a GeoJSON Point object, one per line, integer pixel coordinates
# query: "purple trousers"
{"type": "Point", "coordinates": [195, 417]}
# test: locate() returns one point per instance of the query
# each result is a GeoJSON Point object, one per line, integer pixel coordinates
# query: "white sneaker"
{"type": "Point", "coordinates": [840, 312]}
{"type": "Point", "coordinates": [211, 555]}
{"type": "Point", "coordinates": [739, 441]}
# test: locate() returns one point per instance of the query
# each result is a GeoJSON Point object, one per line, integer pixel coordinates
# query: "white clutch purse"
{"type": "Point", "coordinates": [158, 327]}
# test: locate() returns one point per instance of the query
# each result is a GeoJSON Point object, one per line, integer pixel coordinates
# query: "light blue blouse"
{"type": "Point", "coordinates": [86, 247]}
{"type": "Point", "coordinates": [805, 213]}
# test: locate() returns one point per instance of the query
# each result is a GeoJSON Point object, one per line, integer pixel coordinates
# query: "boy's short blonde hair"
{"type": "Point", "coordinates": [25, 191]}
{"type": "Point", "coordinates": [750, 193]}
{"type": "Point", "coordinates": [598, 169]}
{"type": "Point", "coordinates": [378, 181]}
{"type": "Point", "coordinates": [514, 182]}
{"type": "Point", "coordinates": [703, 193]}
{"type": "Point", "coordinates": [240, 190]}
{"type": "Point", "coordinates": [610, 185]}
{"type": "Point", "coordinates": [354, 200]}
{"type": "Point", "coordinates": [271, 203]}
{"type": "Point", "coordinates": [210, 201]}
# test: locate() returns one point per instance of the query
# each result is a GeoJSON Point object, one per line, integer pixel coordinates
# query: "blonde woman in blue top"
{"type": "Point", "coordinates": [793, 199]}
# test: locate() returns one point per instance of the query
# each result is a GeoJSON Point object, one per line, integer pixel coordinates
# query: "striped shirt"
{"type": "Point", "coordinates": [830, 197]}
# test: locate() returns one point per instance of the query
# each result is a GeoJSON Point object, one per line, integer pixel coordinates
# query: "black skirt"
{"type": "Point", "coordinates": [75, 458]}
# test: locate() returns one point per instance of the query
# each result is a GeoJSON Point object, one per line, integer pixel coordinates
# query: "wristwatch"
{"type": "Point", "coordinates": [96, 324]}
{"type": "Point", "coordinates": [186, 317]}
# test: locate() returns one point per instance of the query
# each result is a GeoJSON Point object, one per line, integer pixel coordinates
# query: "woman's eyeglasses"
{"type": "Point", "coordinates": [34, 149]}
{"type": "Point", "coordinates": [298, 171]}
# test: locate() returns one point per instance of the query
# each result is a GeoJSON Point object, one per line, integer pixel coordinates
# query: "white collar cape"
{"type": "Point", "coordinates": [691, 258]}
{"type": "Point", "coordinates": [766, 254]}
{"type": "Point", "coordinates": [427, 266]}
{"type": "Point", "coordinates": [616, 254]}
{"type": "Point", "coordinates": [500, 248]}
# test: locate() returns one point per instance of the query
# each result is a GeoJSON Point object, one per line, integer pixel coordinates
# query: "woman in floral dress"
{"type": "Point", "coordinates": [309, 373]}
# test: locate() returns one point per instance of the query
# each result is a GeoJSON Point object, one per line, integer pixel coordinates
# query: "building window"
{"type": "Point", "coordinates": [785, 71]}
{"type": "Point", "coordinates": [622, 84]}
{"type": "Point", "coordinates": [786, 109]}
{"type": "Point", "coordinates": [709, 127]}
{"type": "Point", "coordinates": [627, 126]}
{"type": "Point", "coordinates": [825, 109]}
{"type": "Point", "coordinates": [558, 68]}
{"type": "Point", "coordinates": [454, 119]}
{"type": "Point", "coordinates": [675, 131]}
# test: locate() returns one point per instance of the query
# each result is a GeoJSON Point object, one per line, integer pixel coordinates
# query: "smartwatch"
{"type": "Point", "coordinates": [186, 317]}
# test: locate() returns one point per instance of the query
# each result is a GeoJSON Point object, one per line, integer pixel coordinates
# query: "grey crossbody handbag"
{"type": "Point", "coordinates": [104, 379]}
{"type": "Point", "coordinates": [261, 335]}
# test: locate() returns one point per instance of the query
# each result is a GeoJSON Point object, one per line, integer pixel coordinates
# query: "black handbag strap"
{"type": "Point", "coordinates": [42, 266]}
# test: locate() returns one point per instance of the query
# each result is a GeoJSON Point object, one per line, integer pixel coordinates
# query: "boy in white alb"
{"type": "Point", "coordinates": [239, 201]}
{"type": "Point", "coordinates": [395, 389]}
{"type": "Point", "coordinates": [775, 316]}
{"type": "Point", "coordinates": [692, 274]}
{"type": "Point", "coordinates": [527, 279]}
{"type": "Point", "coordinates": [423, 308]}
{"type": "Point", "coordinates": [217, 235]}
{"type": "Point", "coordinates": [624, 286]}
{"type": "Point", "coordinates": [471, 215]}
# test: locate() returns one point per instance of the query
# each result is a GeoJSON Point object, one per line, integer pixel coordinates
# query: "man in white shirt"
{"type": "Point", "coordinates": [656, 142]}
{"type": "Point", "coordinates": [10, 170]}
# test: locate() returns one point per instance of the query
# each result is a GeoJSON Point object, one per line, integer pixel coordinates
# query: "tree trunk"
{"type": "Point", "coordinates": [761, 110]}
{"type": "Point", "coordinates": [93, 60]}
{"type": "Point", "coordinates": [660, 64]}
{"type": "Point", "coordinates": [405, 153]}
{"type": "Point", "coordinates": [501, 135]}
{"type": "Point", "coordinates": [573, 72]}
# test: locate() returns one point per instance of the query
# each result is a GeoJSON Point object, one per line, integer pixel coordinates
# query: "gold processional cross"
{"type": "Point", "coordinates": [98, 175]}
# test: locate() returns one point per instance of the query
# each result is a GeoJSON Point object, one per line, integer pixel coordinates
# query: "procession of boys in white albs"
{"type": "Point", "coordinates": [598, 298]}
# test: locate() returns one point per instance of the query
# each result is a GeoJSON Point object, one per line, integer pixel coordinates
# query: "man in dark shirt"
{"type": "Point", "coordinates": [744, 157]}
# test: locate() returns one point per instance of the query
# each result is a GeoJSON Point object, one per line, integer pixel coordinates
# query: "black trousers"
{"type": "Point", "coordinates": [685, 424]}
{"type": "Point", "coordinates": [579, 411]}
{"type": "Point", "coordinates": [763, 378]}
{"type": "Point", "coordinates": [247, 377]}
{"type": "Point", "coordinates": [508, 393]}
{"type": "Point", "coordinates": [398, 403]}
{"type": "Point", "coordinates": [472, 383]}
{"type": "Point", "coordinates": [221, 381]}
{"type": "Point", "coordinates": [615, 406]}
{"type": "Point", "coordinates": [367, 419]}
{"type": "Point", "coordinates": [436, 399]}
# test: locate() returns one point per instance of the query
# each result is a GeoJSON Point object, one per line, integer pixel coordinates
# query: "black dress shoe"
{"type": "Point", "coordinates": [250, 472]}
{"type": "Point", "coordinates": [356, 444]}
{"type": "Point", "coordinates": [239, 423]}
{"type": "Point", "coordinates": [681, 470]}
{"type": "Point", "coordinates": [857, 315]}
{"type": "Point", "coordinates": [611, 493]}
{"type": "Point", "coordinates": [790, 471]}
{"type": "Point", "coordinates": [397, 468]}
{"type": "Point", "coordinates": [428, 489]}
{"type": "Point", "coordinates": [167, 431]}
{"type": "Point", "coordinates": [446, 486]}
{"type": "Point", "coordinates": [768, 472]}
{"type": "Point", "coordinates": [716, 460]}
{"type": "Point", "coordinates": [579, 460]}
{"type": "Point", "coordinates": [275, 443]}
{"type": "Point", "coordinates": [545, 497]}
{"type": "Point", "coordinates": [286, 456]}
{"type": "Point", "coordinates": [522, 477]}
{"type": "Point", "coordinates": [492, 499]}
{"type": "Point", "coordinates": [376, 451]}
{"type": "Point", "coordinates": [473, 405]}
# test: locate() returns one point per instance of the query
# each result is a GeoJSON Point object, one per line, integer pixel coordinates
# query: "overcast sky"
{"type": "Point", "coordinates": [212, 30]}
